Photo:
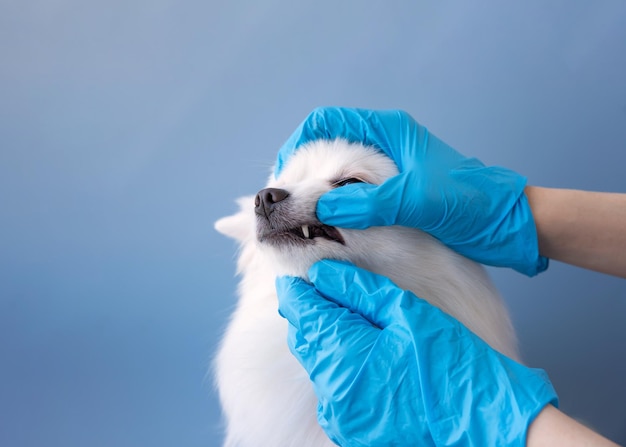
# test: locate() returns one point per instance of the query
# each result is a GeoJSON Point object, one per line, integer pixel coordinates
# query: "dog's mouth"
{"type": "Point", "coordinates": [303, 234]}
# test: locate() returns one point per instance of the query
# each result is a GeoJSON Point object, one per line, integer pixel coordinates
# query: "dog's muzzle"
{"type": "Point", "coordinates": [274, 225]}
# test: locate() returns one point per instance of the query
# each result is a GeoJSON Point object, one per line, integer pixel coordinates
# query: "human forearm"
{"type": "Point", "coordinates": [586, 229]}
{"type": "Point", "coordinates": [552, 428]}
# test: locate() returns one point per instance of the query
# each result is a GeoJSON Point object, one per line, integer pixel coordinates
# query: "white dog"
{"type": "Point", "coordinates": [266, 395]}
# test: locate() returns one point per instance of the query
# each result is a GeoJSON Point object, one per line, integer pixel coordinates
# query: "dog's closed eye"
{"type": "Point", "coordinates": [347, 181]}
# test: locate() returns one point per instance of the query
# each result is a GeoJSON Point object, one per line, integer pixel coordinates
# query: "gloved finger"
{"type": "Point", "coordinates": [302, 306]}
{"type": "Point", "coordinates": [373, 296]}
{"type": "Point", "coordinates": [292, 291]}
{"type": "Point", "coordinates": [387, 130]}
{"type": "Point", "coordinates": [325, 337]}
{"type": "Point", "coordinates": [362, 205]}
{"type": "Point", "coordinates": [310, 312]}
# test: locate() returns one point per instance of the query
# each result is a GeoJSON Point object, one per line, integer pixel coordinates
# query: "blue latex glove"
{"type": "Point", "coordinates": [389, 369]}
{"type": "Point", "coordinates": [481, 212]}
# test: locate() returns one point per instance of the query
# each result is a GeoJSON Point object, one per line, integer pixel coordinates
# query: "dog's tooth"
{"type": "Point", "coordinates": [305, 231]}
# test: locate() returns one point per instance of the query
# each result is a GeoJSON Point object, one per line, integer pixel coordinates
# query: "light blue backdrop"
{"type": "Point", "coordinates": [128, 127]}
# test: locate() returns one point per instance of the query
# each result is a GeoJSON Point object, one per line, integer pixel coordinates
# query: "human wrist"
{"type": "Point", "coordinates": [503, 232]}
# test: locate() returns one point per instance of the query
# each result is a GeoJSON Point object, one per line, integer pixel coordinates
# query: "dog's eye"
{"type": "Point", "coordinates": [346, 181]}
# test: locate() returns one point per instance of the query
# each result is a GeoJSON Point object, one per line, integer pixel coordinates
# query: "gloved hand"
{"type": "Point", "coordinates": [389, 369]}
{"type": "Point", "coordinates": [481, 212]}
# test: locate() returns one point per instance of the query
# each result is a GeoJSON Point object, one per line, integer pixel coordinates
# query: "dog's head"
{"type": "Point", "coordinates": [280, 234]}
{"type": "Point", "coordinates": [281, 219]}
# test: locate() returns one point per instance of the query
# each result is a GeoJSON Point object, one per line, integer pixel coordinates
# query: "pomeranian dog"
{"type": "Point", "coordinates": [266, 395]}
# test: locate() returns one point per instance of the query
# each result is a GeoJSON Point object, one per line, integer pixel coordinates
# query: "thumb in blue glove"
{"type": "Point", "coordinates": [389, 369]}
{"type": "Point", "coordinates": [481, 212]}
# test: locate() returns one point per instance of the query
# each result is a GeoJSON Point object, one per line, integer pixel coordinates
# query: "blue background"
{"type": "Point", "coordinates": [128, 127]}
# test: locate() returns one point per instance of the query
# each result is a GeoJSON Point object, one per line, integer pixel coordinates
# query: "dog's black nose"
{"type": "Point", "coordinates": [266, 199]}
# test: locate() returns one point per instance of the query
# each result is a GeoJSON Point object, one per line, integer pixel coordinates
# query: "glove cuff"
{"type": "Point", "coordinates": [510, 241]}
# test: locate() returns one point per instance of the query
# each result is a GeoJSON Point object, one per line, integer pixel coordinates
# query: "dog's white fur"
{"type": "Point", "coordinates": [266, 396]}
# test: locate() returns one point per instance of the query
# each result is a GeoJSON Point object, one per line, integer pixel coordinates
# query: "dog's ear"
{"type": "Point", "coordinates": [239, 226]}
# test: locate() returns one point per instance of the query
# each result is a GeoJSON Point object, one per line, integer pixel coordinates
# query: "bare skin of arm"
{"type": "Point", "coordinates": [552, 428]}
{"type": "Point", "coordinates": [582, 228]}
{"type": "Point", "coordinates": [585, 229]}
